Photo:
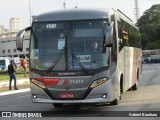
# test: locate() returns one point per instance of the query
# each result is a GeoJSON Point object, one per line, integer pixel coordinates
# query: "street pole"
{"type": "Point", "coordinates": [136, 10]}
{"type": "Point", "coordinates": [64, 4]}
{"type": "Point", "coordinates": [30, 12]}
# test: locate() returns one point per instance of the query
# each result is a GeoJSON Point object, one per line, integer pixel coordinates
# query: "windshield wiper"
{"type": "Point", "coordinates": [79, 63]}
{"type": "Point", "coordinates": [56, 60]}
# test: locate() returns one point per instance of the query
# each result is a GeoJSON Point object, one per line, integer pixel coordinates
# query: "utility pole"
{"type": "Point", "coordinates": [136, 10]}
{"type": "Point", "coordinates": [64, 4]}
{"type": "Point", "coordinates": [76, 5]}
{"type": "Point", "coordinates": [30, 12]}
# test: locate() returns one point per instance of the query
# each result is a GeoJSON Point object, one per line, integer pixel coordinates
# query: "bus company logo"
{"type": "Point", "coordinates": [67, 73]}
{"type": "Point", "coordinates": [67, 87]}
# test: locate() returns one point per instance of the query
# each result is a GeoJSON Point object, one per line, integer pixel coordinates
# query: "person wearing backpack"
{"type": "Point", "coordinates": [12, 75]}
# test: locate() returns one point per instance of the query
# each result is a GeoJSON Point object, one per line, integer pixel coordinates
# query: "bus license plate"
{"type": "Point", "coordinates": [67, 95]}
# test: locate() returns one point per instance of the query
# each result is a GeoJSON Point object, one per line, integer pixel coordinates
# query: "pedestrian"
{"type": "Point", "coordinates": [12, 75]}
{"type": "Point", "coordinates": [149, 59]}
{"type": "Point", "coordinates": [25, 65]}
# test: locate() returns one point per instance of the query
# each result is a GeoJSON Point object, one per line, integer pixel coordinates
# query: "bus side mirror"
{"type": "Point", "coordinates": [109, 35]}
{"type": "Point", "coordinates": [20, 38]}
{"type": "Point", "coordinates": [108, 38]}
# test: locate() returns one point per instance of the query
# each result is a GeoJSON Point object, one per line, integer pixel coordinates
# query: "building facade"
{"type": "Point", "coordinates": [8, 40]}
{"type": "Point", "coordinates": [15, 24]}
{"type": "Point", "coordinates": [3, 30]}
{"type": "Point", "coordinates": [8, 47]}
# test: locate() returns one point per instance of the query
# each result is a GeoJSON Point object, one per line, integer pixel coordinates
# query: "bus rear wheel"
{"type": "Point", "coordinates": [134, 87]}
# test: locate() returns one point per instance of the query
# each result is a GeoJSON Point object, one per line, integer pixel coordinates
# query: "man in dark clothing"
{"type": "Point", "coordinates": [12, 75]}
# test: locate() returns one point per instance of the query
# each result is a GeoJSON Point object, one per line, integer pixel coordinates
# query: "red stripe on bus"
{"type": "Point", "coordinates": [51, 81]}
{"type": "Point", "coordinates": [48, 81]}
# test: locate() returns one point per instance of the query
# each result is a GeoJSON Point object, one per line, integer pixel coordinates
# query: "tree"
{"type": "Point", "coordinates": [149, 26]}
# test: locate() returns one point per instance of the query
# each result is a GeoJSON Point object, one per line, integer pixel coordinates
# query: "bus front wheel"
{"type": "Point", "coordinates": [135, 86]}
{"type": "Point", "coordinates": [115, 102]}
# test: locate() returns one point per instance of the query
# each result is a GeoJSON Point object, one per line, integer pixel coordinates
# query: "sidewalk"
{"type": "Point", "coordinates": [22, 84]}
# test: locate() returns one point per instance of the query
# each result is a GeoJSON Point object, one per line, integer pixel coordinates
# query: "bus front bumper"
{"type": "Point", "coordinates": [100, 94]}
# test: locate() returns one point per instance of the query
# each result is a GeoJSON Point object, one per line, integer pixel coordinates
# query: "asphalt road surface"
{"type": "Point", "coordinates": [146, 98]}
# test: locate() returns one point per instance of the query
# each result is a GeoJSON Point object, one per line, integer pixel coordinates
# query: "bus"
{"type": "Point", "coordinates": [17, 62]}
{"type": "Point", "coordinates": [82, 56]}
{"type": "Point", "coordinates": [151, 56]}
{"type": "Point", "coordinates": [4, 62]}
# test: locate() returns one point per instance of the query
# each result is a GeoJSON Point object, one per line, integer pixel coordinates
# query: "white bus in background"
{"type": "Point", "coordinates": [17, 62]}
{"type": "Point", "coordinates": [4, 62]}
{"type": "Point", "coordinates": [151, 56]}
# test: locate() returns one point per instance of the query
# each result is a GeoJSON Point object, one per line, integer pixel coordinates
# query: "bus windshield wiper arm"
{"type": "Point", "coordinates": [79, 63]}
{"type": "Point", "coordinates": [55, 61]}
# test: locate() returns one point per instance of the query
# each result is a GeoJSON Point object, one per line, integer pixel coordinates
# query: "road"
{"type": "Point", "coordinates": [146, 98]}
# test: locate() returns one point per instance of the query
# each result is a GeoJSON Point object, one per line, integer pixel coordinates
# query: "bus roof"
{"type": "Point", "coordinates": [74, 14]}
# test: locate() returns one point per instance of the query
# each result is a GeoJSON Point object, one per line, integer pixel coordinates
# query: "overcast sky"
{"type": "Point", "coordinates": [20, 8]}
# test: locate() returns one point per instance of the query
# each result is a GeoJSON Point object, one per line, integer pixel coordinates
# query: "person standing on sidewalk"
{"type": "Point", "coordinates": [12, 75]}
{"type": "Point", "coordinates": [25, 65]}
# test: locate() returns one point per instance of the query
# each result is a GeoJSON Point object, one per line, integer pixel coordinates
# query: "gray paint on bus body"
{"type": "Point", "coordinates": [74, 14]}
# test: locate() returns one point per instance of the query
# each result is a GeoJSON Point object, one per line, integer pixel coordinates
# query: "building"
{"type": "Point", "coordinates": [8, 46]}
{"type": "Point", "coordinates": [15, 24]}
{"type": "Point", "coordinates": [3, 32]}
{"type": "Point", "coordinates": [8, 40]}
{"type": "Point", "coordinates": [3, 29]}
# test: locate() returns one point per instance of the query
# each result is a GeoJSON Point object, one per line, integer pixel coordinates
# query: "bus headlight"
{"type": "Point", "coordinates": [38, 83]}
{"type": "Point", "coordinates": [98, 82]}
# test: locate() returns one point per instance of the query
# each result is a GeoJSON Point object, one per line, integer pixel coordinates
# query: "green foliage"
{"type": "Point", "coordinates": [153, 45]}
{"type": "Point", "coordinates": [19, 74]}
{"type": "Point", "coordinates": [4, 77]}
{"type": "Point", "coordinates": [149, 25]}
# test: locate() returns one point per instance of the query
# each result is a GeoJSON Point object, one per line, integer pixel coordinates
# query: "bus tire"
{"type": "Point", "coordinates": [56, 105]}
{"type": "Point", "coordinates": [116, 101]}
{"type": "Point", "coordinates": [121, 86]}
{"type": "Point", "coordinates": [134, 87]}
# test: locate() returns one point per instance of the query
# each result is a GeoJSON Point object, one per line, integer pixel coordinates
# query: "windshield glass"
{"type": "Point", "coordinates": [68, 46]}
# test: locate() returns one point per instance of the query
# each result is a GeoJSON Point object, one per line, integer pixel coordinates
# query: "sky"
{"type": "Point", "coordinates": [20, 8]}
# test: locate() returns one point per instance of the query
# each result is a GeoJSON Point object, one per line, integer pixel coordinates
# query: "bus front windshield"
{"type": "Point", "coordinates": [67, 46]}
